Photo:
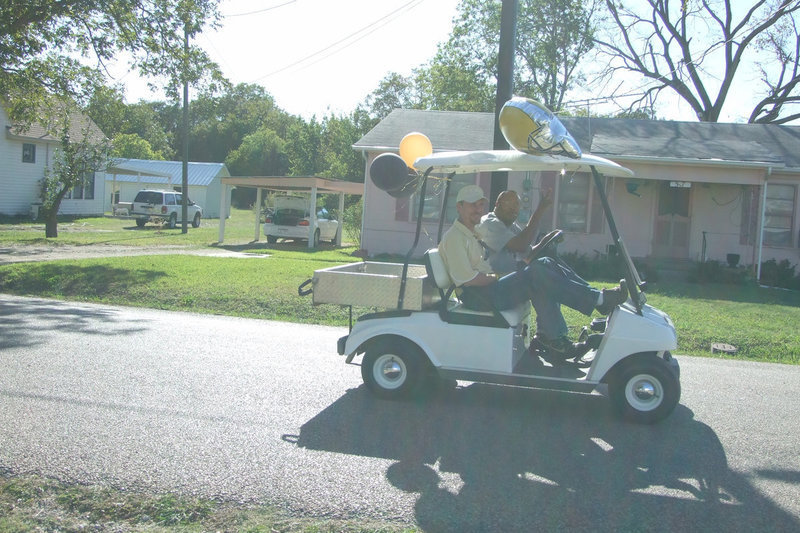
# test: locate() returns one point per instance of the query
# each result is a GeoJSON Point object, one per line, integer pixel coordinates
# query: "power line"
{"type": "Point", "coordinates": [260, 10]}
{"type": "Point", "coordinates": [365, 30]}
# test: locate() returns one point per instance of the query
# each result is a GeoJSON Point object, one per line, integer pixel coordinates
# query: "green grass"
{"type": "Point", "coordinates": [760, 322]}
{"type": "Point", "coordinates": [33, 503]}
{"type": "Point", "coordinates": [239, 227]}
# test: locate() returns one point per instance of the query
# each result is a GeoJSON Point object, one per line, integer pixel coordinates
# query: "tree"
{"type": "Point", "coordinates": [131, 146]}
{"type": "Point", "coordinates": [696, 48]}
{"type": "Point", "coordinates": [394, 91]}
{"type": "Point", "coordinates": [552, 38]}
{"type": "Point", "coordinates": [48, 46]}
{"type": "Point", "coordinates": [83, 150]}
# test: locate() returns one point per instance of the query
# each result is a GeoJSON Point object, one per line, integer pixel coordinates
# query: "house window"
{"type": "Point", "coordinates": [28, 153]}
{"type": "Point", "coordinates": [779, 215]}
{"type": "Point", "coordinates": [579, 207]}
{"type": "Point", "coordinates": [83, 190]}
{"type": "Point", "coordinates": [433, 198]}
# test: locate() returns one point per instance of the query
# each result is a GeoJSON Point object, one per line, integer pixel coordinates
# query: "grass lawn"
{"type": "Point", "coordinates": [239, 228]}
{"type": "Point", "coordinates": [760, 322]}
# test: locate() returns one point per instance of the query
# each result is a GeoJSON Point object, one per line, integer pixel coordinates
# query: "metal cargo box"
{"type": "Point", "coordinates": [373, 284]}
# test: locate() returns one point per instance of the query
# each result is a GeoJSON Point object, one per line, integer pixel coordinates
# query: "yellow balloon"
{"type": "Point", "coordinates": [415, 145]}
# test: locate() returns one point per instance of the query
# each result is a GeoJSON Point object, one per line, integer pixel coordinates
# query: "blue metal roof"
{"type": "Point", "coordinates": [201, 174]}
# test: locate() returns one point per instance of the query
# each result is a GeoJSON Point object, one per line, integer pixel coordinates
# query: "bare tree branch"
{"type": "Point", "coordinates": [677, 46]}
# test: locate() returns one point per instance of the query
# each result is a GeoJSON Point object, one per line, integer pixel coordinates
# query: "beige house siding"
{"type": "Point", "coordinates": [716, 205]}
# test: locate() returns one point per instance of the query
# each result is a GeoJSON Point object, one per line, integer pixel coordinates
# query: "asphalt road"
{"type": "Point", "coordinates": [257, 411]}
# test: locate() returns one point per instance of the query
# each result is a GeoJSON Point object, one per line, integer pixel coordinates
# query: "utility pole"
{"type": "Point", "coordinates": [185, 166]}
{"type": "Point", "coordinates": [505, 86]}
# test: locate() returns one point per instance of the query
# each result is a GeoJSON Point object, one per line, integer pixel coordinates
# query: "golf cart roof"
{"type": "Point", "coordinates": [514, 160]}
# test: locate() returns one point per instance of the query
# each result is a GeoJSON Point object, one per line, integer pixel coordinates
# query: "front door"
{"type": "Point", "coordinates": [672, 221]}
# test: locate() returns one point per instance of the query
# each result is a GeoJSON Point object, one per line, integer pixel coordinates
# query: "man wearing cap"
{"type": "Point", "coordinates": [541, 281]}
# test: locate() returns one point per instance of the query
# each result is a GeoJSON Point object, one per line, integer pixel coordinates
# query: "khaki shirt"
{"type": "Point", "coordinates": [462, 254]}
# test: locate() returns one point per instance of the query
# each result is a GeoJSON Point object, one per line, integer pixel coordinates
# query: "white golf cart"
{"type": "Point", "coordinates": [429, 333]}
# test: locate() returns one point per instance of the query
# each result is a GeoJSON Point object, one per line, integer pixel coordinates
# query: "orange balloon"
{"type": "Point", "coordinates": [415, 145]}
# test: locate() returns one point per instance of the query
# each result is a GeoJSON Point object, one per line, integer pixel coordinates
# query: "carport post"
{"type": "Point", "coordinates": [341, 220]}
{"type": "Point", "coordinates": [224, 191]}
{"type": "Point", "coordinates": [313, 212]}
{"type": "Point", "coordinates": [258, 211]}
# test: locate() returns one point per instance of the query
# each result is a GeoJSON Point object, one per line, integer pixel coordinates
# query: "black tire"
{"type": "Point", "coordinates": [272, 239]}
{"type": "Point", "coordinates": [644, 390]}
{"type": "Point", "coordinates": [140, 222]}
{"type": "Point", "coordinates": [196, 220]}
{"type": "Point", "coordinates": [393, 368]}
{"type": "Point", "coordinates": [316, 238]}
{"type": "Point", "coordinates": [173, 221]}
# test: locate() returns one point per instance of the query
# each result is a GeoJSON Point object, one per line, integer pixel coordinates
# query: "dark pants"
{"type": "Point", "coordinates": [547, 284]}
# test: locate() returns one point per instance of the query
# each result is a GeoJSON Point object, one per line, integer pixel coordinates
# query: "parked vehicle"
{"type": "Point", "coordinates": [163, 207]}
{"type": "Point", "coordinates": [429, 334]}
{"type": "Point", "coordinates": [291, 219]}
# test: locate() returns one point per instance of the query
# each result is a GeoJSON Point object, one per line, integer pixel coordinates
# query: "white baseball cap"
{"type": "Point", "coordinates": [470, 194]}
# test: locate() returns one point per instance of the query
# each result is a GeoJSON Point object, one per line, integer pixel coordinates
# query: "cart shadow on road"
{"type": "Point", "coordinates": [488, 458]}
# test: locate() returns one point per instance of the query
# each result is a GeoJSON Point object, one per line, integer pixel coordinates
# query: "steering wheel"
{"type": "Point", "coordinates": [546, 244]}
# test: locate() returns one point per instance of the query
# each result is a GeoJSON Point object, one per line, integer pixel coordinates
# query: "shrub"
{"type": "Point", "coordinates": [779, 274]}
{"type": "Point", "coordinates": [716, 272]}
{"type": "Point", "coordinates": [351, 221]}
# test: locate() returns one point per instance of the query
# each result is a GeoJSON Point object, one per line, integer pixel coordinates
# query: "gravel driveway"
{"type": "Point", "coordinates": [24, 253]}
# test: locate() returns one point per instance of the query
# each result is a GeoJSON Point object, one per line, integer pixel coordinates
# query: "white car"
{"type": "Point", "coordinates": [291, 219]}
{"type": "Point", "coordinates": [163, 206]}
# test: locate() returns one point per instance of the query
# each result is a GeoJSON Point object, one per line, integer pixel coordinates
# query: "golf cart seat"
{"type": "Point", "coordinates": [453, 311]}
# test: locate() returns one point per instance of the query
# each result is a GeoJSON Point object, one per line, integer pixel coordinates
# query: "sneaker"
{"type": "Point", "coordinates": [613, 297]}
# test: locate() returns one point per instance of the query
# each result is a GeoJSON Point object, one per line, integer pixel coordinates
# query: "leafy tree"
{"type": "Point", "coordinates": [48, 46]}
{"type": "Point", "coordinates": [131, 126]}
{"type": "Point", "coordinates": [220, 122]}
{"type": "Point", "coordinates": [552, 38]}
{"type": "Point", "coordinates": [83, 150]}
{"type": "Point", "coordinates": [262, 153]}
{"type": "Point", "coordinates": [697, 48]}
{"type": "Point", "coordinates": [394, 91]}
{"type": "Point", "coordinates": [131, 146]}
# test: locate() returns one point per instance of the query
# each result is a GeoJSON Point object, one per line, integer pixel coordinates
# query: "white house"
{"type": "Point", "coordinates": [24, 155]}
{"type": "Point", "coordinates": [701, 191]}
{"type": "Point", "coordinates": [127, 176]}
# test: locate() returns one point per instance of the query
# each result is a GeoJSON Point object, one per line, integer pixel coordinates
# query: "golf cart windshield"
{"type": "Point", "coordinates": [515, 161]}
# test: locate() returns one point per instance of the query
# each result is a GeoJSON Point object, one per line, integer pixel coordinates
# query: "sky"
{"type": "Point", "coordinates": [318, 56]}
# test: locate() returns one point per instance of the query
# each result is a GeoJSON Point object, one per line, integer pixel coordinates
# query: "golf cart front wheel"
{"type": "Point", "coordinates": [645, 390]}
{"type": "Point", "coordinates": [392, 369]}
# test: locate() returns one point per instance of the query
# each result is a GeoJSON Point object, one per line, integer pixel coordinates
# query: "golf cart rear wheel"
{"type": "Point", "coordinates": [645, 390]}
{"type": "Point", "coordinates": [393, 368]}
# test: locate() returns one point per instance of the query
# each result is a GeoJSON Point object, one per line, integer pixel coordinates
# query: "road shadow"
{"type": "Point", "coordinates": [28, 322]}
{"type": "Point", "coordinates": [489, 458]}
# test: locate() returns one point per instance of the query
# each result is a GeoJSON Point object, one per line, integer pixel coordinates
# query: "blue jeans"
{"type": "Point", "coordinates": [547, 284]}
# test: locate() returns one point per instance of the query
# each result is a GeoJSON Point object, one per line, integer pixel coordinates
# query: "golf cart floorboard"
{"type": "Point", "coordinates": [531, 365]}
{"type": "Point", "coordinates": [530, 372]}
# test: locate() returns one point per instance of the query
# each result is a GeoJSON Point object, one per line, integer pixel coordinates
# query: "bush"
{"type": "Point", "coordinates": [779, 274]}
{"type": "Point", "coordinates": [716, 272]}
{"type": "Point", "coordinates": [607, 267]}
{"type": "Point", "coordinates": [351, 221]}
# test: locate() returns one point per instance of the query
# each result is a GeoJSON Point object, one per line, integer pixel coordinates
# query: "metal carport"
{"type": "Point", "coordinates": [287, 184]}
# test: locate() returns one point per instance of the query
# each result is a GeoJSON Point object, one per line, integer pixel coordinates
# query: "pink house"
{"type": "Point", "coordinates": [701, 191]}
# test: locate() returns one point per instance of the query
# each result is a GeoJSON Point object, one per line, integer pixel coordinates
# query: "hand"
{"type": "Point", "coordinates": [545, 199]}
